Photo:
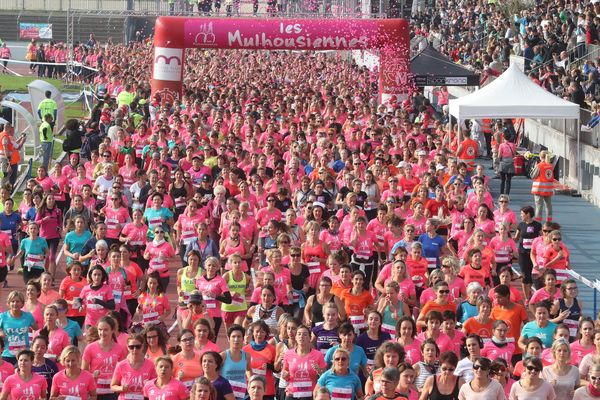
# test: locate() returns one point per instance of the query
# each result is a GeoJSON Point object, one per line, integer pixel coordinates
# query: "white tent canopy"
{"type": "Point", "coordinates": [512, 95]}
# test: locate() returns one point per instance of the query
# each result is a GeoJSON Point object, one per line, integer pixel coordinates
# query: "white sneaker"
{"type": "Point", "coordinates": [586, 128]}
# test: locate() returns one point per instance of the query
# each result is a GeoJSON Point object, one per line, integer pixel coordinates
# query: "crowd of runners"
{"type": "Point", "coordinates": [278, 234]}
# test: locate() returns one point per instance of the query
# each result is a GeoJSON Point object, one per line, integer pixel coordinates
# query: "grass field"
{"type": "Point", "coordinates": [10, 83]}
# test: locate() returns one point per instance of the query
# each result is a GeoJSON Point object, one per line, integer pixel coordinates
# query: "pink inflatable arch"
{"type": "Point", "coordinates": [174, 34]}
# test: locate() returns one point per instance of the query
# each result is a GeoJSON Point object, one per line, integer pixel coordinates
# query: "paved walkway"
{"type": "Point", "coordinates": [580, 222]}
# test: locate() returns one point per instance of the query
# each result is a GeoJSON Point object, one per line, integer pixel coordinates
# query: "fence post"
{"type": "Point", "coordinates": [595, 298]}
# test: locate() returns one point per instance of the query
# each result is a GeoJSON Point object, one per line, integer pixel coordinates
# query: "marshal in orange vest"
{"type": "Point", "coordinates": [543, 183]}
{"type": "Point", "coordinates": [467, 151]}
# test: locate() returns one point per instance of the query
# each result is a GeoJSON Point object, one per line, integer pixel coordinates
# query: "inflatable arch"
{"type": "Point", "coordinates": [175, 34]}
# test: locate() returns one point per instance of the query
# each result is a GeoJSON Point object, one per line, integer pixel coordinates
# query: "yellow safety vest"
{"type": "Point", "coordinates": [46, 126]}
{"type": "Point", "coordinates": [47, 106]}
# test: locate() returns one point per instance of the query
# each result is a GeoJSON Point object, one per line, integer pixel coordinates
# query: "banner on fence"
{"type": "Point", "coordinates": [35, 31]}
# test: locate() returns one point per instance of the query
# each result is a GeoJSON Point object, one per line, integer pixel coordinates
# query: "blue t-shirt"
{"type": "Point", "coordinates": [432, 247]}
{"type": "Point", "coordinates": [76, 242]}
{"type": "Point", "coordinates": [340, 386]}
{"type": "Point", "coordinates": [357, 357]}
{"type": "Point", "coordinates": [369, 345]}
{"type": "Point", "coordinates": [151, 215]}
{"type": "Point", "coordinates": [16, 332]}
{"type": "Point", "coordinates": [466, 310]}
{"type": "Point", "coordinates": [532, 329]}
{"type": "Point", "coordinates": [73, 330]}
{"type": "Point", "coordinates": [10, 223]}
{"type": "Point", "coordinates": [34, 250]}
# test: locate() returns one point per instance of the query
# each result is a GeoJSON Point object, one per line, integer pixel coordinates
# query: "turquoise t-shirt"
{"type": "Point", "coordinates": [76, 242]}
{"type": "Point", "coordinates": [340, 386]}
{"type": "Point", "coordinates": [531, 329]}
{"type": "Point", "coordinates": [16, 332]}
{"type": "Point", "coordinates": [34, 252]}
{"type": "Point", "coordinates": [73, 330]}
{"type": "Point", "coordinates": [153, 218]}
{"type": "Point", "coordinates": [358, 357]}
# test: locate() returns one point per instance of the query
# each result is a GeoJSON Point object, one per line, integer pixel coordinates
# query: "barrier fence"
{"type": "Point", "coordinates": [296, 8]}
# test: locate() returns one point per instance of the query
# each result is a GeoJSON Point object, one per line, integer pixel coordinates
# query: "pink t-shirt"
{"type": "Point", "coordinates": [542, 294]}
{"type": "Point", "coordinates": [210, 289]}
{"type": "Point", "coordinates": [159, 253]}
{"type": "Point", "coordinates": [282, 279]}
{"type": "Point", "coordinates": [79, 387]}
{"type": "Point", "coordinates": [334, 241]}
{"type": "Point", "coordinates": [6, 370]}
{"type": "Point", "coordinates": [95, 311]}
{"type": "Point", "coordinates": [491, 351]}
{"type": "Point", "coordinates": [59, 339]}
{"type": "Point", "coordinates": [263, 216]}
{"type": "Point", "coordinates": [413, 351]}
{"type": "Point", "coordinates": [174, 390]}
{"type": "Point", "coordinates": [578, 352]}
{"type": "Point", "coordinates": [125, 374]}
{"type": "Point", "coordinates": [302, 369]}
{"type": "Point", "coordinates": [153, 307]}
{"type": "Point", "coordinates": [443, 341]}
{"type": "Point", "coordinates": [17, 389]}
{"type": "Point", "coordinates": [137, 236]}
{"type": "Point", "coordinates": [115, 219]}
{"type": "Point", "coordinates": [503, 250]}
{"type": "Point", "coordinates": [104, 362]}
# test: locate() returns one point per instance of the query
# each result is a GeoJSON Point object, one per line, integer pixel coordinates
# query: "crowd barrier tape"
{"type": "Point", "coordinates": [75, 64]}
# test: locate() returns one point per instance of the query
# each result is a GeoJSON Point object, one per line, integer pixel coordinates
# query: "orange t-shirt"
{"type": "Point", "coordinates": [192, 369]}
{"type": "Point", "coordinates": [514, 317]}
{"type": "Point", "coordinates": [469, 274]}
{"type": "Point", "coordinates": [431, 305]}
{"type": "Point", "coordinates": [338, 288]}
{"type": "Point", "coordinates": [484, 331]}
{"type": "Point", "coordinates": [355, 305]}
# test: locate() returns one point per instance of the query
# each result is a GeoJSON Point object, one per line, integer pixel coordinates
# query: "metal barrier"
{"type": "Point", "coordinates": [594, 285]}
{"type": "Point", "coordinates": [289, 8]}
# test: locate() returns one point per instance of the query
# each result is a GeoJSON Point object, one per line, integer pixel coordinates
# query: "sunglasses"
{"type": "Point", "coordinates": [270, 200]}
{"type": "Point", "coordinates": [187, 339]}
{"type": "Point", "coordinates": [134, 346]}
{"type": "Point", "coordinates": [157, 232]}
{"type": "Point", "coordinates": [594, 378]}
{"type": "Point", "coordinates": [294, 255]}
{"type": "Point", "coordinates": [556, 239]}
{"type": "Point", "coordinates": [105, 155]}
{"type": "Point", "coordinates": [531, 368]}
{"type": "Point", "coordinates": [478, 366]}
{"type": "Point", "coordinates": [546, 230]}
{"type": "Point", "coordinates": [443, 291]}
{"type": "Point", "coordinates": [448, 369]}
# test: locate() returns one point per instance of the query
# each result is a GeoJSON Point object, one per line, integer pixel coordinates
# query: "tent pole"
{"type": "Point", "coordinates": [579, 166]}
{"type": "Point", "coordinates": [564, 163]}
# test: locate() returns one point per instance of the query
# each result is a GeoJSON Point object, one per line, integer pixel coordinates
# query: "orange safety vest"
{"type": "Point", "coordinates": [15, 157]}
{"type": "Point", "coordinates": [468, 153]}
{"type": "Point", "coordinates": [543, 184]}
{"type": "Point", "coordinates": [487, 125]}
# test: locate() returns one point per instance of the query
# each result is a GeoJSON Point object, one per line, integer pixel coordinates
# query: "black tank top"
{"type": "Point", "coordinates": [436, 395]}
{"type": "Point", "coordinates": [317, 309]}
{"type": "Point", "coordinates": [178, 192]}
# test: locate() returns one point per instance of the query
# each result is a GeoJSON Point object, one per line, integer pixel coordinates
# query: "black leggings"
{"type": "Point", "coordinates": [3, 273]}
{"type": "Point", "coordinates": [34, 273]}
{"type": "Point", "coordinates": [526, 267]}
{"type": "Point", "coordinates": [505, 180]}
